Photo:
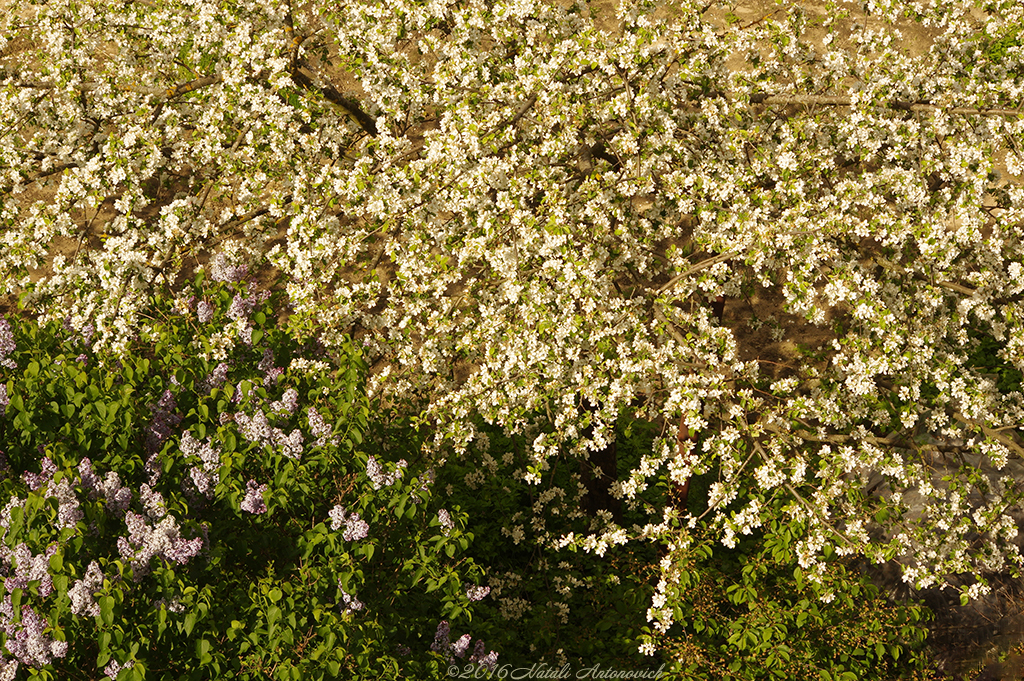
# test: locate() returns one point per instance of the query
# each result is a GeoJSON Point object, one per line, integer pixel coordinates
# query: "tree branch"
{"type": "Point", "coordinates": [898, 104]}
{"type": "Point", "coordinates": [350, 105]}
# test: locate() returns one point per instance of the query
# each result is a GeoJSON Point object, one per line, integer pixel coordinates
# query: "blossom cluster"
{"type": "Point", "coordinates": [546, 233]}
{"type": "Point", "coordinates": [443, 644]}
{"type": "Point", "coordinates": [355, 527]}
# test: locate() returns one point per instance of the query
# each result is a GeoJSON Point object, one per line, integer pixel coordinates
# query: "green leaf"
{"type": "Point", "coordinates": [190, 623]}
{"type": "Point", "coordinates": [107, 609]}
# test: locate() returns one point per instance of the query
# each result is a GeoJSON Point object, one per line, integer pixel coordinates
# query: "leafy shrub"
{"type": "Point", "coordinates": [211, 507]}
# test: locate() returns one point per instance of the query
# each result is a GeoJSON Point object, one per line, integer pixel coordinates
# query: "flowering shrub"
{"type": "Point", "coordinates": [529, 222]}
{"type": "Point", "coordinates": [150, 530]}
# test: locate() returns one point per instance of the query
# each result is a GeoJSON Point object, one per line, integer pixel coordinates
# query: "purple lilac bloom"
{"type": "Point", "coordinates": [267, 363]}
{"type": "Point", "coordinates": [257, 428]}
{"type": "Point", "coordinates": [442, 643]}
{"type": "Point", "coordinates": [8, 669]}
{"type": "Point", "coordinates": [446, 521]}
{"type": "Point", "coordinates": [90, 482]}
{"type": "Point", "coordinates": [320, 428]}
{"type": "Point", "coordinates": [288, 402]}
{"type": "Point", "coordinates": [153, 502]}
{"type": "Point", "coordinates": [488, 661]}
{"type": "Point", "coordinates": [355, 527]}
{"type": "Point", "coordinates": [204, 311]}
{"type": "Point", "coordinates": [114, 668]}
{"type": "Point", "coordinates": [253, 502]}
{"type": "Point", "coordinates": [37, 480]}
{"type": "Point", "coordinates": [379, 477]}
{"type": "Point", "coordinates": [241, 307]}
{"type": "Point", "coordinates": [205, 476]}
{"type": "Point", "coordinates": [164, 421]}
{"type": "Point", "coordinates": [477, 593]}
{"type": "Point", "coordinates": [29, 568]}
{"type": "Point", "coordinates": [68, 510]}
{"type": "Point", "coordinates": [274, 374]}
{"type": "Point", "coordinates": [216, 378]}
{"type": "Point", "coordinates": [291, 445]}
{"type": "Point", "coordinates": [83, 592]}
{"type": "Point", "coordinates": [5, 517]}
{"type": "Point", "coordinates": [350, 603]}
{"type": "Point", "coordinates": [163, 540]}
{"type": "Point", "coordinates": [118, 497]}
{"type": "Point", "coordinates": [26, 640]}
{"type": "Point", "coordinates": [7, 345]}
{"type": "Point", "coordinates": [460, 647]}
{"type": "Point", "coordinates": [222, 270]}
{"type": "Point", "coordinates": [4, 399]}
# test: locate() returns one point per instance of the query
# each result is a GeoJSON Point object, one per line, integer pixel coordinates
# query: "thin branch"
{"type": "Point", "coordinates": [899, 105]}
{"type": "Point", "coordinates": [722, 257]}
{"type": "Point", "coordinates": [349, 105]}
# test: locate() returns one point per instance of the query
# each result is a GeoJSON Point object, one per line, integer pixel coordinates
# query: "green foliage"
{"type": "Point", "coordinates": [567, 606]}
{"type": "Point", "coordinates": [265, 597]}
{"type": "Point", "coordinates": [752, 613]}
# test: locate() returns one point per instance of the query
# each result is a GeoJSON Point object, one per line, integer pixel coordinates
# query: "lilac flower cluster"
{"type": "Point", "coordinates": [4, 399]}
{"type": "Point", "coordinates": [216, 378]}
{"type": "Point", "coordinates": [221, 269]}
{"type": "Point", "coordinates": [114, 668]}
{"type": "Point", "coordinates": [271, 373]}
{"type": "Point", "coordinates": [163, 540]}
{"type": "Point", "coordinates": [320, 428]}
{"type": "Point", "coordinates": [445, 518]}
{"type": "Point", "coordinates": [242, 307]}
{"type": "Point", "coordinates": [204, 477]}
{"type": "Point", "coordinates": [349, 603]}
{"type": "Point", "coordinates": [37, 480]}
{"type": "Point", "coordinates": [5, 516]}
{"type": "Point", "coordinates": [165, 419]}
{"type": "Point", "coordinates": [257, 429]}
{"type": "Point", "coordinates": [476, 593]}
{"type": "Point", "coordinates": [425, 480]}
{"type": "Point", "coordinates": [117, 496]}
{"type": "Point", "coordinates": [442, 644]}
{"type": "Point", "coordinates": [204, 311]}
{"type": "Point", "coordinates": [28, 568]}
{"type": "Point", "coordinates": [7, 345]}
{"type": "Point", "coordinates": [26, 640]}
{"type": "Point", "coordinates": [83, 592]}
{"type": "Point", "coordinates": [289, 402]}
{"type": "Point", "coordinates": [69, 512]}
{"type": "Point", "coordinates": [253, 502]}
{"type": "Point", "coordinates": [153, 502]}
{"type": "Point", "coordinates": [379, 477]}
{"type": "Point", "coordinates": [355, 527]}
{"type": "Point", "coordinates": [8, 669]}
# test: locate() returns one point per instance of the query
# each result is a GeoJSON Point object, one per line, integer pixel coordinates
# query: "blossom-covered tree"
{"type": "Point", "coordinates": [527, 218]}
